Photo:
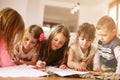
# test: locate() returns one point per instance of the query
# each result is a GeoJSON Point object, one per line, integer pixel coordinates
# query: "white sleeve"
{"type": "Point", "coordinates": [117, 55]}
{"type": "Point", "coordinates": [96, 59]}
{"type": "Point", "coordinates": [16, 52]}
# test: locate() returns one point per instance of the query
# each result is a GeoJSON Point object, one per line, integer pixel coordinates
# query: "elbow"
{"type": "Point", "coordinates": [69, 64]}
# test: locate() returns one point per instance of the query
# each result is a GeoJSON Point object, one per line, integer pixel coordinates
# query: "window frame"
{"type": "Point", "coordinates": [111, 5]}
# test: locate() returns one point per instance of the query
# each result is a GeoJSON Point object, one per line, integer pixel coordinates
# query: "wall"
{"type": "Point", "coordinates": [35, 12]}
{"type": "Point", "coordinates": [91, 14]}
{"type": "Point", "coordinates": [19, 5]}
{"type": "Point", "coordinates": [32, 11]}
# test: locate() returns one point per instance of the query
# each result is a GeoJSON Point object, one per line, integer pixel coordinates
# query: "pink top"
{"type": "Point", "coordinates": [5, 59]}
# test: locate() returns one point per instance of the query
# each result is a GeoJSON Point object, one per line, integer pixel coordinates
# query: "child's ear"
{"type": "Point", "coordinates": [114, 31]}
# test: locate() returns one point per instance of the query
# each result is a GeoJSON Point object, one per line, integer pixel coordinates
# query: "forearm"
{"type": "Point", "coordinates": [30, 62]}
{"type": "Point", "coordinates": [27, 62]}
{"type": "Point", "coordinates": [117, 56]}
{"type": "Point", "coordinates": [118, 66]}
{"type": "Point", "coordinates": [71, 64]}
{"type": "Point", "coordinates": [96, 59]}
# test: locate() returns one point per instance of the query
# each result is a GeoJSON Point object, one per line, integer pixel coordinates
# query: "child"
{"type": "Point", "coordinates": [11, 26]}
{"type": "Point", "coordinates": [108, 53]}
{"type": "Point", "coordinates": [26, 52]}
{"type": "Point", "coordinates": [81, 52]}
{"type": "Point", "coordinates": [52, 53]}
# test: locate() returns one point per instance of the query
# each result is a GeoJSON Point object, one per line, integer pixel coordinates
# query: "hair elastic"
{"type": "Point", "coordinates": [41, 37]}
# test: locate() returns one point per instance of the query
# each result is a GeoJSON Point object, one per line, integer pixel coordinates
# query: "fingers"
{"type": "Point", "coordinates": [81, 69]}
{"type": "Point", "coordinates": [63, 67]}
{"type": "Point", "coordinates": [41, 64]}
{"type": "Point", "coordinates": [98, 69]}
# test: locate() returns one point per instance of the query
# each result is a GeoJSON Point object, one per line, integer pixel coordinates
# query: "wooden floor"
{"type": "Point", "coordinates": [43, 78]}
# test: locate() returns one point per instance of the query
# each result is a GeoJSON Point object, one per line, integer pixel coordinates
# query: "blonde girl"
{"type": "Point", "coordinates": [11, 26]}
{"type": "Point", "coordinates": [26, 52]}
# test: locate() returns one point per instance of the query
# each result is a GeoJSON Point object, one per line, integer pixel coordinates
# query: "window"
{"type": "Point", "coordinates": [114, 12]}
{"type": "Point", "coordinates": [119, 15]}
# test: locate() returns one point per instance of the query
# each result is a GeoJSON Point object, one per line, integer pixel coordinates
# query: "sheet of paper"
{"type": "Point", "coordinates": [21, 71]}
{"type": "Point", "coordinates": [64, 72]}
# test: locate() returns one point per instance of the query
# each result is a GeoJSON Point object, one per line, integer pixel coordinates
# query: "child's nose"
{"type": "Point", "coordinates": [28, 43]}
{"type": "Point", "coordinates": [100, 37]}
{"type": "Point", "coordinates": [85, 41]}
{"type": "Point", "coordinates": [57, 43]}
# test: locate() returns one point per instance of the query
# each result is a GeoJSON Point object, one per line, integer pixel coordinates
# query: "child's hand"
{"type": "Point", "coordinates": [41, 64]}
{"type": "Point", "coordinates": [115, 74]}
{"type": "Point", "coordinates": [97, 68]}
{"type": "Point", "coordinates": [63, 66]}
{"type": "Point", "coordinates": [16, 60]}
{"type": "Point", "coordinates": [80, 67]}
{"type": "Point", "coordinates": [83, 64]}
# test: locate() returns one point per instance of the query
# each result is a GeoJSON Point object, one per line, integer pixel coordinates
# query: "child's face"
{"type": "Point", "coordinates": [29, 41]}
{"type": "Point", "coordinates": [84, 42]}
{"type": "Point", "coordinates": [105, 35]}
{"type": "Point", "coordinates": [58, 41]}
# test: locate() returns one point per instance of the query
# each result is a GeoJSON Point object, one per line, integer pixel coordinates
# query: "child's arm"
{"type": "Point", "coordinates": [15, 56]}
{"type": "Point", "coordinates": [96, 62]}
{"type": "Point", "coordinates": [117, 55]}
{"type": "Point", "coordinates": [32, 62]}
{"type": "Point", "coordinates": [75, 65]}
{"type": "Point", "coordinates": [70, 62]}
{"type": "Point", "coordinates": [64, 61]}
{"type": "Point", "coordinates": [16, 51]}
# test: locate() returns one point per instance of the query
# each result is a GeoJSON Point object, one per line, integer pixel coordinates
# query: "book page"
{"type": "Point", "coordinates": [20, 71]}
{"type": "Point", "coordinates": [64, 72]}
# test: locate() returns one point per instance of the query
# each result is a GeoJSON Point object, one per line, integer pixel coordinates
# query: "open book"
{"type": "Point", "coordinates": [21, 71]}
{"type": "Point", "coordinates": [28, 71]}
{"type": "Point", "coordinates": [64, 72]}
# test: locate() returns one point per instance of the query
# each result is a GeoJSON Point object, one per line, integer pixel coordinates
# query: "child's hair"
{"type": "Point", "coordinates": [37, 32]}
{"type": "Point", "coordinates": [87, 30]}
{"type": "Point", "coordinates": [57, 30]}
{"type": "Point", "coordinates": [106, 22]}
{"type": "Point", "coordinates": [12, 25]}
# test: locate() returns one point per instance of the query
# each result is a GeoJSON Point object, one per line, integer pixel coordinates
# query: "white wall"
{"type": "Point", "coordinates": [91, 14]}
{"type": "Point", "coordinates": [32, 11]}
{"type": "Point", "coordinates": [35, 12]}
{"type": "Point", "coordinates": [19, 5]}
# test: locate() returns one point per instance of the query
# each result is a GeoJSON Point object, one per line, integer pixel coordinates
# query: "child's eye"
{"type": "Point", "coordinates": [89, 40]}
{"type": "Point", "coordinates": [55, 39]}
{"type": "Point", "coordinates": [104, 35]}
{"type": "Point", "coordinates": [27, 39]}
{"type": "Point", "coordinates": [82, 38]}
{"type": "Point", "coordinates": [33, 42]}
